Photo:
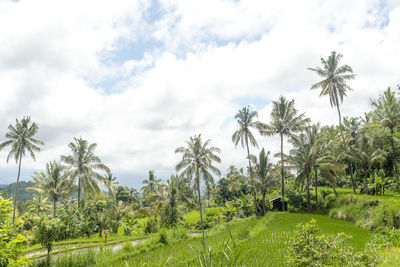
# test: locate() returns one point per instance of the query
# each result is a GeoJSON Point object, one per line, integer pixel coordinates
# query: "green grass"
{"type": "Point", "coordinates": [194, 216]}
{"type": "Point", "coordinates": [256, 242]}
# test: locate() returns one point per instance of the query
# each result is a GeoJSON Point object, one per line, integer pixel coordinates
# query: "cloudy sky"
{"type": "Point", "coordinates": [140, 77]}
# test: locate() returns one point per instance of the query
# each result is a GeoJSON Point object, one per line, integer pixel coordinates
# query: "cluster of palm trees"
{"type": "Point", "coordinates": [358, 146]}
{"type": "Point", "coordinates": [59, 180]}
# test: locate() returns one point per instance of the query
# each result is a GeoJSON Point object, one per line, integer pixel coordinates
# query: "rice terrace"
{"type": "Point", "coordinates": [199, 133]}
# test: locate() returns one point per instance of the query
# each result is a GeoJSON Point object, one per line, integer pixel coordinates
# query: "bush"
{"type": "Point", "coordinates": [46, 234]}
{"type": "Point", "coordinates": [308, 248]}
{"type": "Point", "coordinates": [163, 239]}
{"type": "Point", "coordinates": [151, 226]}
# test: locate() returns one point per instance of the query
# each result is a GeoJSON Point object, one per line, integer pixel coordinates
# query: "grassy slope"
{"type": "Point", "coordinates": [259, 242]}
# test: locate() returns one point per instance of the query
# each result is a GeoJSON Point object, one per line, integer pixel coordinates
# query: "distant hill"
{"type": "Point", "coordinates": [22, 194]}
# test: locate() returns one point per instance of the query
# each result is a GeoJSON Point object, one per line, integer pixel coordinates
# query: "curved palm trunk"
{"type": "Point", "coordinates": [283, 174]}
{"type": "Point", "coordinates": [172, 215]}
{"type": "Point", "coordinates": [16, 187]}
{"type": "Point", "coordinates": [345, 149]}
{"type": "Point", "coordinates": [308, 190]}
{"type": "Point", "coordinates": [251, 174]}
{"type": "Point", "coordinates": [316, 186]}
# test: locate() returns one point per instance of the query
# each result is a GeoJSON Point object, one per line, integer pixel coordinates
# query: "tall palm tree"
{"type": "Point", "coordinates": [244, 135]}
{"type": "Point", "coordinates": [55, 184]}
{"type": "Point", "coordinates": [82, 165]}
{"type": "Point", "coordinates": [334, 85]}
{"type": "Point", "coordinates": [151, 185]}
{"type": "Point", "coordinates": [21, 138]}
{"type": "Point", "coordinates": [197, 162]}
{"type": "Point", "coordinates": [387, 113]}
{"type": "Point", "coordinates": [262, 174]}
{"type": "Point", "coordinates": [303, 157]}
{"type": "Point", "coordinates": [285, 121]}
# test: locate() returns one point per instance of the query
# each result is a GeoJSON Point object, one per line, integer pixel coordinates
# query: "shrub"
{"type": "Point", "coordinates": [308, 248]}
{"type": "Point", "coordinates": [163, 239]}
{"type": "Point", "coordinates": [151, 226]}
{"type": "Point", "coordinates": [46, 233]}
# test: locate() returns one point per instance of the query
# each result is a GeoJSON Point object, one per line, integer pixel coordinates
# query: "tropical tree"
{"type": "Point", "coordinates": [197, 162]}
{"type": "Point", "coordinates": [55, 184]}
{"type": "Point", "coordinates": [245, 119]}
{"type": "Point", "coordinates": [303, 156]}
{"type": "Point", "coordinates": [110, 182]}
{"type": "Point", "coordinates": [38, 203]}
{"type": "Point", "coordinates": [387, 113]}
{"type": "Point", "coordinates": [118, 209]}
{"type": "Point", "coordinates": [262, 175]}
{"type": "Point", "coordinates": [285, 121]}
{"type": "Point", "coordinates": [21, 138]}
{"type": "Point", "coordinates": [82, 164]}
{"type": "Point", "coordinates": [334, 85]}
{"type": "Point", "coordinates": [169, 195]}
{"type": "Point", "coordinates": [151, 185]}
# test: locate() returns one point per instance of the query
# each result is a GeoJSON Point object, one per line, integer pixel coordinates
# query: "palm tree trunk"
{"type": "Point", "coordinates": [334, 191]}
{"type": "Point", "coordinates": [282, 174]}
{"type": "Point", "coordinates": [172, 215]}
{"type": "Point", "coordinates": [308, 191]}
{"type": "Point", "coordinates": [345, 149]}
{"type": "Point", "coordinates": [263, 203]}
{"type": "Point", "coordinates": [199, 195]}
{"type": "Point", "coordinates": [366, 181]}
{"type": "Point", "coordinates": [79, 191]}
{"type": "Point", "coordinates": [16, 187]}
{"type": "Point", "coordinates": [316, 186]}
{"type": "Point", "coordinates": [54, 208]}
{"type": "Point", "coordinates": [394, 157]}
{"type": "Point", "coordinates": [251, 174]}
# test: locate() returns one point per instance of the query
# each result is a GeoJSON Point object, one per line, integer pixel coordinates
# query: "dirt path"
{"type": "Point", "coordinates": [57, 252]}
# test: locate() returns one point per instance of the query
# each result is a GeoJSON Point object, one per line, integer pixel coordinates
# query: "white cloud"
{"type": "Point", "coordinates": [213, 56]}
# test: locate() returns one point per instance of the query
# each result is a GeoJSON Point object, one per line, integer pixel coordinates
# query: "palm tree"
{"type": "Point", "coordinates": [151, 185]}
{"type": "Point", "coordinates": [55, 184]}
{"type": "Point", "coordinates": [303, 156]}
{"type": "Point", "coordinates": [21, 139]}
{"type": "Point", "coordinates": [243, 135]}
{"type": "Point", "coordinates": [38, 203]}
{"type": "Point", "coordinates": [118, 209]}
{"type": "Point", "coordinates": [285, 122]}
{"type": "Point", "coordinates": [110, 182]}
{"type": "Point", "coordinates": [197, 162]}
{"type": "Point", "coordinates": [334, 85]}
{"type": "Point", "coordinates": [82, 165]}
{"type": "Point", "coordinates": [170, 195]}
{"type": "Point", "coordinates": [387, 113]}
{"type": "Point", "coordinates": [263, 177]}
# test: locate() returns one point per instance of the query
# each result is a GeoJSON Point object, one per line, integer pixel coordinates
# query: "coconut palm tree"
{"type": "Point", "coordinates": [197, 162]}
{"type": "Point", "coordinates": [21, 138]}
{"type": "Point", "coordinates": [38, 203]}
{"type": "Point", "coordinates": [110, 182]}
{"type": "Point", "coordinates": [303, 156]}
{"type": "Point", "coordinates": [151, 185]}
{"type": "Point", "coordinates": [244, 135]}
{"type": "Point", "coordinates": [262, 175]}
{"type": "Point", "coordinates": [55, 184]}
{"type": "Point", "coordinates": [170, 196]}
{"type": "Point", "coordinates": [387, 113]}
{"type": "Point", "coordinates": [334, 85]}
{"type": "Point", "coordinates": [285, 121]}
{"type": "Point", "coordinates": [82, 164]}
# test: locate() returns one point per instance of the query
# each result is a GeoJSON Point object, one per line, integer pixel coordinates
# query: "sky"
{"type": "Point", "coordinates": [140, 77]}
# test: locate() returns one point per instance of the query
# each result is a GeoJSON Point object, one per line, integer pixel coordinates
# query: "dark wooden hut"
{"type": "Point", "coordinates": [278, 204]}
